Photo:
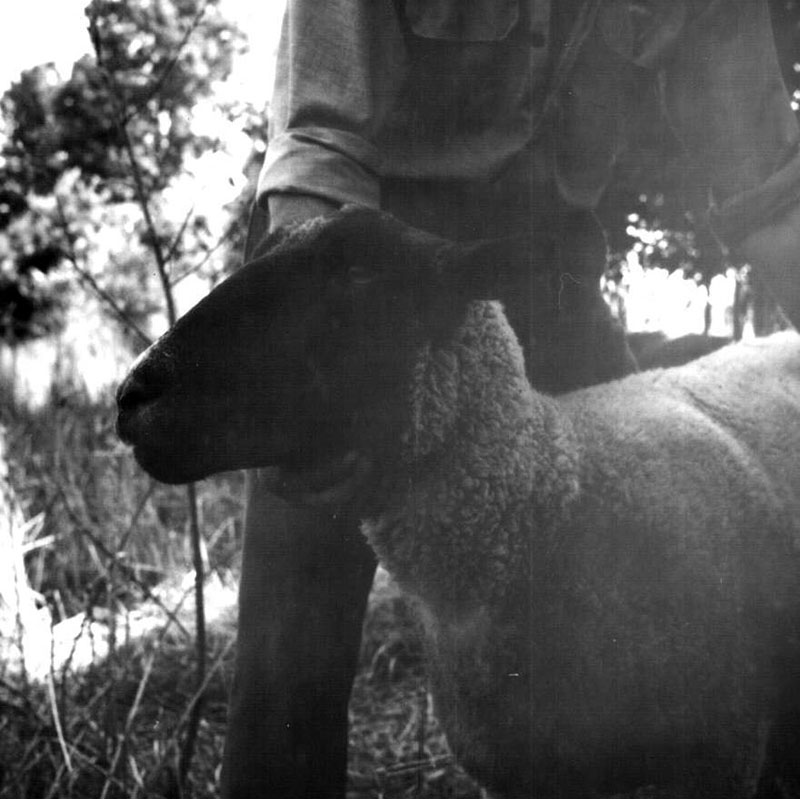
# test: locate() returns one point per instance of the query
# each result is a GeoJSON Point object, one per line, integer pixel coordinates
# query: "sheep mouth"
{"type": "Point", "coordinates": [328, 480]}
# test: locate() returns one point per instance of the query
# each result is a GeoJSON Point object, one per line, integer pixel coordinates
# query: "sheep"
{"type": "Point", "coordinates": [608, 579]}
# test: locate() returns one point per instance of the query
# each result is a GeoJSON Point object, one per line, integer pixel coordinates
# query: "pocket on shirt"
{"type": "Point", "coordinates": [462, 20]}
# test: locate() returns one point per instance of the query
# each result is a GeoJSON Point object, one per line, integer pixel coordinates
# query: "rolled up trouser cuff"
{"type": "Point", "coordinates": [743, 213]}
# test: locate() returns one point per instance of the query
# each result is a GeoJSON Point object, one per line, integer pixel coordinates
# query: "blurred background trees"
{"type": "Point", "coordinates": [80, 155]}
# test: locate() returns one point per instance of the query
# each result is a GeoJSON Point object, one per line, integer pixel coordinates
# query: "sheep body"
{"type": "Point", "coordinates": [607, 579]}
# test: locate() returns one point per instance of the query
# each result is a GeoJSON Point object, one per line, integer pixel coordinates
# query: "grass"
{"type": "Point", "coordinates": [110, 529]}
{"type": "Point", "coordinates": [108, 559]}
{"type": "Point", "coordinates": [108, 556]}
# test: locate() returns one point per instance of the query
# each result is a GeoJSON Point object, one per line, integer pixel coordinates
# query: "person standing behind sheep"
{"type": "Point", "coordinates": [480, 119]}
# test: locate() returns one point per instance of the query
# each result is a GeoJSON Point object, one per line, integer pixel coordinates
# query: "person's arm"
{"type": "Point", "coordinates": [339, 64]}
{"type": "Point", "coordinates": [728, 105]}
{"type": "Point", "coordinates": [775, 248]}
{"type": "Point", "coordinates": [286, 210]}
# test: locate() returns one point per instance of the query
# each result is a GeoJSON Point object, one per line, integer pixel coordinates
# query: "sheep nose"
{"type": "Point", "coordinates": [147, 380]}
{"type": "Point", "coordinates": [134, 392]}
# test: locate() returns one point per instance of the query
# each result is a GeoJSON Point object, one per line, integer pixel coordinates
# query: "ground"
{"type": "Point", "coordinates": [122, 721]}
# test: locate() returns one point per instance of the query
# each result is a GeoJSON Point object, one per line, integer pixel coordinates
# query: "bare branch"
{"type": "Point", "coordinates": [138, 179]}
{"type": "Point", "coordinates": [114, 561]}
{"type": "Point", "coordinates": [162, 264]}
{"type": "Point", "coordinates": [162, 79]}
{"type": "Point", "coordinates": [198, 266]}
{"type": "Point", "coordinates": [178, 237]}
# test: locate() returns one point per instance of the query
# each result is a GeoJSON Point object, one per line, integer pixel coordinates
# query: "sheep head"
{"type": "Point", "coordinates": [300, 359]}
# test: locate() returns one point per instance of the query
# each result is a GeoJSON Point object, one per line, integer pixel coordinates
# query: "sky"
{"type": "Point", "coordinates": [25, 41]}
{"type": "Point", "coordinates": [37, 31]}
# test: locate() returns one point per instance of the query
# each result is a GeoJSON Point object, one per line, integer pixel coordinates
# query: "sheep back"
{"type": "Point", "coordinates": [676, 583]}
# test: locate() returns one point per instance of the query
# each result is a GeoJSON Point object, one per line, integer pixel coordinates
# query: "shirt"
{"type": "Point", "coordinates": [504, 98]}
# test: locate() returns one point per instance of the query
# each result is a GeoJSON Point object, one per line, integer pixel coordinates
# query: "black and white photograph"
{"type": "Point", "coordinates": [400, 399]}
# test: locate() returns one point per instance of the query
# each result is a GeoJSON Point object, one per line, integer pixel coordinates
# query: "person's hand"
{"type": "Point", "coordinates": [287, 210]}
{"type": "Point", "coordinates": [330, 481]}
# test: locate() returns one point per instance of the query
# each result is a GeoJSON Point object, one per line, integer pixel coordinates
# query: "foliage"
{"type": "Point", "coordinates": [108, 545]}
{"type": "Point", "coordinates": [157, 60]}
{"type": "Point", "coordinates": [68, 147]}
{"type": "Point", "coordinates": [67, 463]}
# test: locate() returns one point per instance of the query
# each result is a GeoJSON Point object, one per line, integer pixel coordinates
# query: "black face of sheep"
{"type": "Point", "coordinates": [299, 359]}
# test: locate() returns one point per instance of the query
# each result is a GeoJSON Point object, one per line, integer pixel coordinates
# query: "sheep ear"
{"type": "Point", "coordinates": [487, 269]}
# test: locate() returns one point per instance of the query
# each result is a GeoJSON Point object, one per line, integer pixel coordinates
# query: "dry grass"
{"type": "Point", "coordinates": [106, 714]}
{"type": "Point", "coordinates": [110, 559]}
{"type": "Point", "coordinates": [121, 723]}
{"type": "Point", "coordinates": [397, 748]}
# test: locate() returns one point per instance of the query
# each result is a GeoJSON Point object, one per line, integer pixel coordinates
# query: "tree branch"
{"type": "Point", "coordinates": [162, 265]}
{"type": "Point", "coordinates": [162, 79]}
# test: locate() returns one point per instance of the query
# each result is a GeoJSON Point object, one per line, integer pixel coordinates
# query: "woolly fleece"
{"type": "Point", "coordinates": [609, 579]}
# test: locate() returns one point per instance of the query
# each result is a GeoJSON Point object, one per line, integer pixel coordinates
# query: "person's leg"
{"type": "Point", "coordinates": [306, 577]}
{"type": "Point", "coordinates": [591, 347]}
{"type": "Point", "coordinates": [565, 327]}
